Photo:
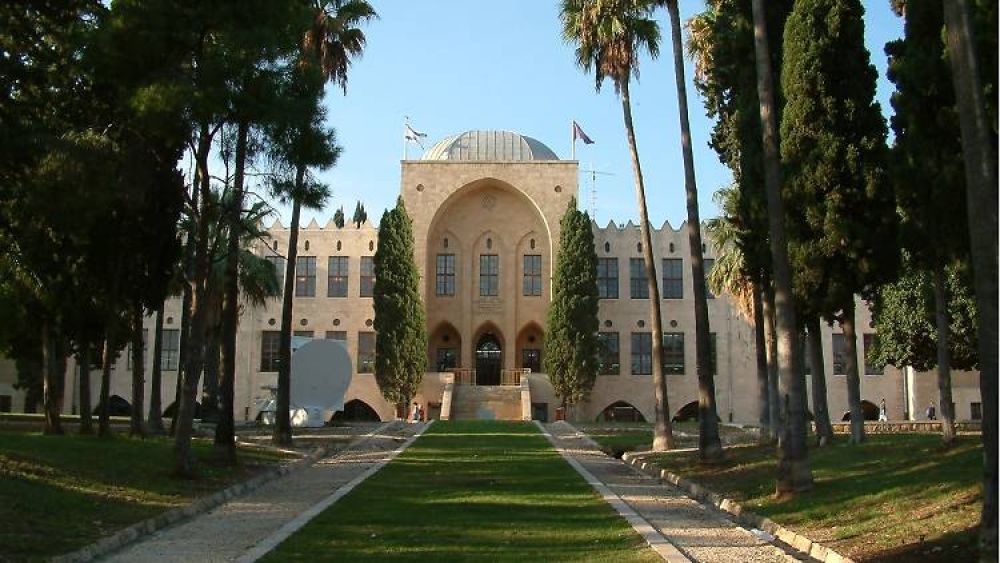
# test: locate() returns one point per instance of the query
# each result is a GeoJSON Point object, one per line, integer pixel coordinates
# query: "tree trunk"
{"type": "Point", "coordinates": [282, 422]}
{"type": "Point", "coordinates": [821, 410]}
{"type": "Point", "coordinates": [185, 335]}
{"type": "Point", "coordinates": [709, 444]}
{"type": "Point", "coordinates": [853, 378]}
{"type": "Point", "coordinates": [763, 387]}
{"type": "Point", "coordinates": [107, 357]}
{"type": "Point", "coordinates": [195, 349]}
{"type": "Point", "coordinates": [213, 357]}
{"type": "Point", "coordinates": [663, 437]}
{"type": "Point", "coordinates": [225, 428]}
{"type": "Point", "coordinates": [155, 419]}
{"type": "Point", "coordinates": [980, 155]}
{"type": "Point", "coordinates": [52, 382]}
{"type": "Point", "coordinates": [794, 473]}
{"type": "Point", "coordinates": [771, 339]}
{"type": "Point", "coordinates": [947, 408]}
{"type": "Point", "coordinates": [86, 419]}
{"type": "Point", "coordinates": [136, 427]}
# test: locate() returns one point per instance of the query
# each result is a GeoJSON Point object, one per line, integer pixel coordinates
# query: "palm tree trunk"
{"type": "Point", "coordinates": [195, 350]}
{"type": "Point", "coordinates": [821, 410]}
{"type": "Point", "coordinates": [107, 357]}
{"type": "Point", "coordinates": [155, 418]}
{"type": "Point", "coordinates": [283, 425]}
{"type": "Point", "coordinates": [52, 382]}
{"type": "Point", "coordinates": [774, 394]}
{"type": "Point", "coordinates": [943, 357]}
{"type": "Point", "coordinates": [225, 429]}
{"type": "Point", "coordinates": [663, 437]}
{"type": "Point", "coordinates": [185, 335]}
{"type": "Point", "coordinates": [213, 358]}
{"type": "Point", "coordinates": [794, 473]}
{"type": "Point", "coordinates": [86, 419]}
{"type": "Point", "coordinates": [709, 444]}
{"type": "Point", "coordinates": [980, 155]}
{"type": "Point", "coordinates": [853, 378]}
{"type": "Point", "coordinates": [136, 427]}
{"type": "Point", "coordinates": [763, 388]}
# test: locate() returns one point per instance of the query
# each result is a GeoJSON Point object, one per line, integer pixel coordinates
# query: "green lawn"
{"type": "Point", "coordinates": [618, 437]}
{"type": "Point", "coordinates": [60, 493]}
{"type": "Point", "coordinates": [470, 491]}
{"type": "Point", "coordinates": [872, 502]}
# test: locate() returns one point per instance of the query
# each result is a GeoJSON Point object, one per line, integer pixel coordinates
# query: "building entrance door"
{"type": "Point", "coordinates": [489, 358]}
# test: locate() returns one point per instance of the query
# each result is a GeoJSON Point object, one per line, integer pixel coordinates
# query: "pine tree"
{"type": "Point", "coordinates": [400, 331]}
{"type": "Point", "coordinates": [841, 213]}
{"type": "Point", "coordinates": [571, 342]}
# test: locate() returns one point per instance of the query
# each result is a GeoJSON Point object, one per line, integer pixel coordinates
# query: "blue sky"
{"type": "Point", "coordinates": [455, 65]}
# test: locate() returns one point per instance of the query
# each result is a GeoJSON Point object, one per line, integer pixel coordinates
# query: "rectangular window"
{"type": "Point", "coordinates": [871, 368]}
{"type": "Point", "coordinates": [673, 278]}
{"type": "Point", "coordinates": [305, 276]}
{"type": "Point", "coordinates": [976, 411]}
{"type": "Point", "coordinates": [839, 355]}
{"type": "Point", "coordinates": [445, 275]}
{"type": "Point", "coordinates": [608, 353]}
{"type": "Point", "coordinates": [366, 352]}
{"type": "Point", "coordinates": [708, 264]}
{"type": "Point", "coordinates": [673, 353]}
{"type": "Point", "coordinates": [279, 270]}
{"type": "Point", "coordinates": [145, 339]}
{"type": "Point", "coordinates": [337, 335]}
{"type": "Point", "coordinates": [303, 333]}
{"type": "Point", "coordinates": [367, 287]}
{"type": "Point", "coordinates": [638, 285]}
{"type": "Point", "coordinates": [489, 275]}
{"type": "Point", "coordinates": [170, 354]}
{"type": "Point", "coordinates": [447, 359]}
{"type": "Point", "coordinates": [532, 285]}
{"type": "Point", "coordinates": [269, 340]}
{"type": "Point", "coordinates": [607, 278]}
{"type": "Point", "coordinates": [5, 403]}
{"type": "Point", "coordinates": [337, 276]}
{"type": "Point", "coordinates": [642, 353]}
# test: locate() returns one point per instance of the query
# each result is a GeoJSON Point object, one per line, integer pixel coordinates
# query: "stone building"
{"type": "Point", "coordinates": [485, 207]}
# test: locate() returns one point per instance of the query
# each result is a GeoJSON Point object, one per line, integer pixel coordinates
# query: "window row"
{"type": "Point", "coordinates": [270, 342]}
{"type": "Point", "coordinates": [169, 355]}
{"type": "Point", "coordinates": [489, 275]}
{"type": "Point", "coordinates": [672, 270]}
{"type": "Point", "coordinates": [609, 353]}
{"type": "Point", "coordinates": [839, 347]}
{"type": "Point", "coordinates": [338, 271]}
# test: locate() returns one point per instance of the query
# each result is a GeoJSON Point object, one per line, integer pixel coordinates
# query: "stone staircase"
{"type": "Point", "coordinates": [487, 402]}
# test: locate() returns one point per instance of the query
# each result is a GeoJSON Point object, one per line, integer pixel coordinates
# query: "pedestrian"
{"type": "Point", "coordinates": [931, 412]}
{"type": "Point", "coordinates": [882, 414]}
{"type": "Point", "coordinates": [422, 416]}
{"type": "Point", "coordinates": [415, 413]}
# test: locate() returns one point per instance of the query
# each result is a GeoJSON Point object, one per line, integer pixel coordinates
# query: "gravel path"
{"type": "Point", "coordinates": [701, 533]}
{"type": "Point", "coordinates": [232, 529]}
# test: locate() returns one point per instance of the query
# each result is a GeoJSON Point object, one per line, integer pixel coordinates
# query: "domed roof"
{"type": "Point", "coordinates": [489, 145]}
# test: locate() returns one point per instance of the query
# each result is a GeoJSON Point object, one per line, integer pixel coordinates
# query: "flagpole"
{"type": "Point", "coordinates": [572, 132]}
{"type": "Point", "coordinates": [404, 139]}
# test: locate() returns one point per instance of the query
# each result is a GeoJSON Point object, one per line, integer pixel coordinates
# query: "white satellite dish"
{"type": "Point", "coordinates": [321, 373]}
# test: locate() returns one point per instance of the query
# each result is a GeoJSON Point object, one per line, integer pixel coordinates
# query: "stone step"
{"type": "Point", "coordinates": [482, 402]}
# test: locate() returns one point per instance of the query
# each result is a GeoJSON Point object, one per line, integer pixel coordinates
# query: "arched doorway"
{"type": "Point", "coordinates": [489, 360]}
{"type": "Point", "coordinates": [868, 411]}
{"type": "Point", "coordinates": [529, 348]}
{"type": "Point", "coordinates": [356, 410]}
{"type": "Point", "coordinates": [620, 411]}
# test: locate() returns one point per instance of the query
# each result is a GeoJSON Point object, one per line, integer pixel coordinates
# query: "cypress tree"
{"type": "Point", "coordinates": [400, 331]}
{"type": "Point", "coordinates": [338, 217]}
{"type": "Point", "coordinates": [571, 342]}
{"type": "Point", "coordinates": [360, 215]}
{"type": "Point", "coordinates": [841, 213]}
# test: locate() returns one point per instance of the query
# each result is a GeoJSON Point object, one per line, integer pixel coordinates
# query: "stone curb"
{"type": "Point", "coordinates": [124, 537]}
{"type": "Point", "coordinates": [740, 515]}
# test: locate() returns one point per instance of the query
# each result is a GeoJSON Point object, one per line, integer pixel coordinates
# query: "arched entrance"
{"type": "Point", "coordinates": [489, 360]}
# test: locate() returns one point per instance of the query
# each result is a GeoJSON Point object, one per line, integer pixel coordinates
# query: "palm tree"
{"type": "Point", "coordinates": [980, 155]}
{"type": "Point", "coordinates": [334, 39]}
{"type": "Point", "coordinates": [609, 36]}
{"type": "Point", "coordinates": [709, 444]}
{"type": "Point", "coordinates": [794, 473]}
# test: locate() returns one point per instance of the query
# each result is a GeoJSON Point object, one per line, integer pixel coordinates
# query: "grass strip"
{"type": "Point", "coordinates": [60, 493]}
{"type": "Point", "coordinates": [470, 491]}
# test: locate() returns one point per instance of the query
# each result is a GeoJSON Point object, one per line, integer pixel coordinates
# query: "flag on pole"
{"type": "Point", "coordinates": [579, 134]}
{"type": "Point", "coordinates": [412, 134]}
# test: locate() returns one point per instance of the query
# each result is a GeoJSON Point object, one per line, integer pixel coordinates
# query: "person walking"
{"type": "Point", "coordinates": [931, 412]}
{"type": "Point", "coordinates": [882, 414]}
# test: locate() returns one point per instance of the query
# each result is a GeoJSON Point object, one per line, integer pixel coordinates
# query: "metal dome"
{"type": "Point", "coordinates": [490, 146]}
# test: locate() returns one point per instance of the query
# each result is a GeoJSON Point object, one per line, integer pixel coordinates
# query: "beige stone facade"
{"type": "Point", "coordinates": [486, 207]}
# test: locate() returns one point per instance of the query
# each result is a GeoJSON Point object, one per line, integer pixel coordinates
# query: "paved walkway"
{"type": "Point", "coordinates": [700, 533]}
{"type": "Point", "coordinates": [234, 529]}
